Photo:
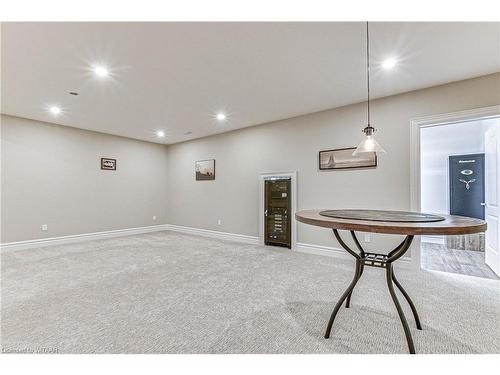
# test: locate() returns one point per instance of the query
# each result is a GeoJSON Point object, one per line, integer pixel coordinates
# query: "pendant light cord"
{"type": "Point", "coordinates": [368, 69]}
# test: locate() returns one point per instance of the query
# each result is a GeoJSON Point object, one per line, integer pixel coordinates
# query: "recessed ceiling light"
{"type": "Point", "coordinates": [101, 71]}
{"type": "Point", "coordinates": [220, 116]}
{"type": "Point", "coordinates": [389, 63]}
{"type": "Point", "coordinates": [160, 133]}
{"type": "Point", "coordinates": [55, 110]}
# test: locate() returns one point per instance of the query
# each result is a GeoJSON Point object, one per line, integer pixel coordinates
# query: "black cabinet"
{"type": "Point", "coordinates": [277, 211]}
{"type": "Point", "coordinates": [467, 185]}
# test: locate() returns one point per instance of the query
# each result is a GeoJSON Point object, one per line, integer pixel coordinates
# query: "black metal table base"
{"type": "Point", "coordinates": [382, 261]}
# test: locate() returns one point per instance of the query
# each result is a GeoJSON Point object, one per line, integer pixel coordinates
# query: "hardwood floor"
{"type": "Point", "coordinates": [465, 262]}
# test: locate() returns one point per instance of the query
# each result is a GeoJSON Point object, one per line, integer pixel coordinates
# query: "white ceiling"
{"type": "Point", "coordinates": [176, 76]}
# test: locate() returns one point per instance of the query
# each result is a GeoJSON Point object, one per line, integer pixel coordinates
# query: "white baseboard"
{"type": "Point", "coordinates": [322, 250]}
{"type": "Point", "coordinates": [440, 240]}
{"type": "Point", "coordinates": [337, 252]}
{"type": "Point", "coordinates": [253, 240]}
{"type": "Point", "coordinates": [21, 245]}
{"type": "Point", "coordinates": [300, 247]}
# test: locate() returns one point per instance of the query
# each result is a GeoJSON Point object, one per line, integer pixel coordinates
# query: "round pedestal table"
{"type": "Point", "coordinates": [404, 223]}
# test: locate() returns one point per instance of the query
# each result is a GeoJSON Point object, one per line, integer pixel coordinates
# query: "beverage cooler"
{"type": "Point", "coordinates": [277, 212]}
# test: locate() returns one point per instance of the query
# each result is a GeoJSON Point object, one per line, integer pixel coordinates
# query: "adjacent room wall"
{"type": "Point", "coordinates": [293, 145]}
{"type": "Point", "coordinates": [51, 175]}
{"type": "Point", "coordinates": [437, 143]}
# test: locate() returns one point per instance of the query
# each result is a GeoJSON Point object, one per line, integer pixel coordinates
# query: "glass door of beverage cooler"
{"type": "Point", "coordinates": [277, 212]}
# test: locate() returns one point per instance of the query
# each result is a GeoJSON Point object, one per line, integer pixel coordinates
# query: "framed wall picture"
{"type": "Point", "coordinates": [342, 158]}
{"type": "Point", "coordinates": [205, 170]}
{"type": "Point", "coordinates": [108, 164]}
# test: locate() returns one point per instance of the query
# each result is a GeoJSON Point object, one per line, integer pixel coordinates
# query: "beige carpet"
{"type": "Point", "coordinates": [166, 292]}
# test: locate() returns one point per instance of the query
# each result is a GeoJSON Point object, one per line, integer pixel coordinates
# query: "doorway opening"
{"type": "Point", "coordinates": [459, 176]}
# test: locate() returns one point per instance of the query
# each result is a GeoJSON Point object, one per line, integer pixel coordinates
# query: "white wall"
{"type": "Point", "coordinates": [51, 175]}
{"type": "Point", "coordinates": [436, 144]}
{"type": "Point", "coordinates": [293, 144]}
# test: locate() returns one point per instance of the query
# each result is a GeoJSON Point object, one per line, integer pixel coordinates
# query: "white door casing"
{"type": "Point", "coordinates": [415, 181]}
{"type": "Point", "coordinates": [492, 196]}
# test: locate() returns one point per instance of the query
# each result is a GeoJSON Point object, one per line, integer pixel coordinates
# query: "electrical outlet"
{"type": "Point", "coordinates": [219, 222]}
{"type": "Point", "coordinates": [367, 238]}
{"type": "Point", "coordinates": [45, 227]}
{"type": "Point", "coordinates": [154, 217]}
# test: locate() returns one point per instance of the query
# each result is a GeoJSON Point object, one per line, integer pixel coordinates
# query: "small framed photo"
{"type": "Point", "coordinates": [205, 170]}
{"type": "Point", "coordinates": [342, 158]}
{"type": "Point", "coordinates": [108, 164]}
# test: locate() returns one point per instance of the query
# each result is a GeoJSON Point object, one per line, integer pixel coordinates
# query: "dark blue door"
{"type": "Point", "coordinates": [466, 176]}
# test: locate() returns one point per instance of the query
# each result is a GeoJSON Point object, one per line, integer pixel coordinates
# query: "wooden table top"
{"type": "Point", "coordinates": [447, 225]}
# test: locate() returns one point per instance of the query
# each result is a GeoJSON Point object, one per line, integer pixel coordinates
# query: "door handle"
{"type": "Point", "coordinates": [483, 204]}
{"type": "Point", "coordinates": [265, 213]}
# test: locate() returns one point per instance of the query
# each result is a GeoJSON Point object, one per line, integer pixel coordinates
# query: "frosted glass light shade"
{"type": "Point", "coordinates": [369, 144]}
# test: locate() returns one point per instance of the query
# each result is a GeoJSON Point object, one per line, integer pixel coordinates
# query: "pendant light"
{"type": "Point", "coordinates": [369, 143]}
